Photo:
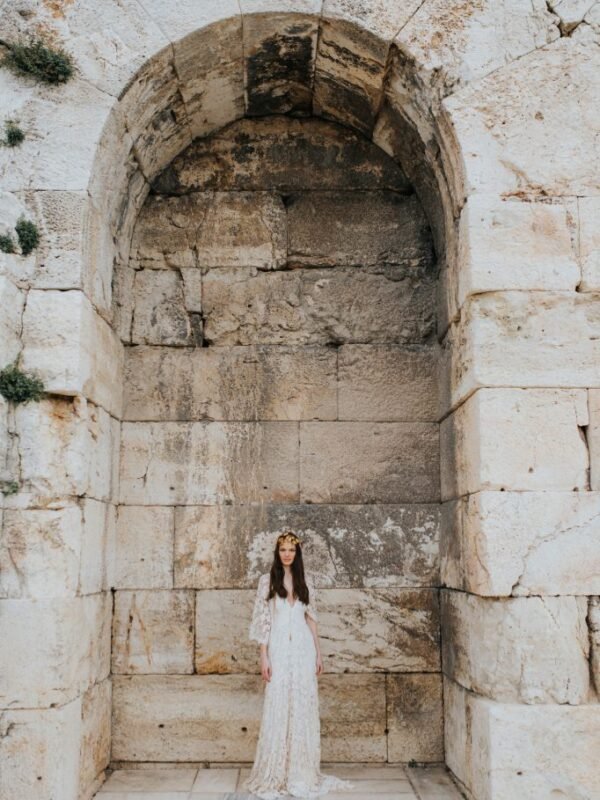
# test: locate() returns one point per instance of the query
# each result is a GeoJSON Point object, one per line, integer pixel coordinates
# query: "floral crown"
{"type": "Point", "coordinates": [288, 537]}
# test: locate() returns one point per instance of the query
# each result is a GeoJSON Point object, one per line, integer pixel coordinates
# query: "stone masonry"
{"type": "Point", "coordinates": [277, 312]}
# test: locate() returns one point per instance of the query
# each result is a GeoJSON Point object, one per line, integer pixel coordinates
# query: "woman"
{"type": "Point", "coordinates": [284, 622]}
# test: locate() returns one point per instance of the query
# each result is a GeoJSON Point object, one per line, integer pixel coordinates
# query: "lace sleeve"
{"type": "Point", "coordinates": [260, 627]}
{"type": "Point", "coordinates": [311, 609]}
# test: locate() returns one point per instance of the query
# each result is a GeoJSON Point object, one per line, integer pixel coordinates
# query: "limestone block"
{"type": "Point", "coordinates": [527, 649]}
{"type": "Point", "coordinates": [153, 632]}
{"type": "Point", "coordinates": [189, 16]}
{"type": "Point", "coordinates": [513, 122]}
{"type": "Point", "coordinates": [522, 543]}
{"type": "Point", "coordinates": [346, 545]}
{"type": "Point", "coordinates": [387, 382]}
{"type": "Point", "coordinates": [398, 462]}
{"type": "Point", "coordinates": [452, 45]}
{"type": "Point", "coordinates": [349, 71]}
{"type": "Point", "coordinates": [230, 383]}
{"type": "Point", "coordinates": [317, 306]}
{"type": "Point", "coordinates": [65, 125]}
{"type": "Point", "coordinates": [190, 463]}
{"type": "Point", "coordinates": [54, 445]}
{"type": "Point", "coordinates": [523, 339]}
{"type": "Point", "coordinates": [159, 314]}
{"type": "Point", "coordinates": [123, 301]}
{"type": "Point", "coordinates": [12, 301]}
{"type": "Point", "coordinates": [593, 437]}
{"type": "Point", "coordinates": [209, 64]}
{"type": "Point", "coordinates": [72, 347]}
{"type": "Point", "coordinates": [106, 57]}
{"type": "Point", "coordinates": [589, 243]}
{"type": "Point", "coordinates": [570, 13]}
{"type": "Point", "coordinates": [217, 717]}
{"type": "Point", "coordinates": [39, 750]}
{"type": "Point", "coordinates": [512, 750]}
{"type": "Point", "coordinates": [40, 552]}
{"type": "Point", "coordinates": [593, 621]}
{"type": "Point", "coordinates": [514, 245]}
{"type": "Point", "coordinates": [53, 649]}
{"type": "Point", "coordinates": [144, 547]}
{"type": "Point", "coordinates": [17, 267]}
{"type": "Point", "coordinates": [383, 630]}
{"type": "Point", "coordinates": [94, 544]}
{"type": "Point", "coordinates": [495, 440]}
{"type": "Point", "coordinates": [381, 18]}
{"type": "Point", "coordinates": [337, 229]}
{"type": "Point", "coordinates": [164, 234]}
{"type": "Point", "coordinates": [279, 54]}
{"type": "Point", "coordinates": [271, 154]}
{"type": "Point", "coordinates": [415, 717]}
{"type": "Point", "coordinates": [95, 734]}
{"type": "Point", "coordinates": [103, 458]}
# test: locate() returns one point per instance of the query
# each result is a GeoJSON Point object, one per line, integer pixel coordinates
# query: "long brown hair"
{"type": "Point", "coordinates": [297, 568]}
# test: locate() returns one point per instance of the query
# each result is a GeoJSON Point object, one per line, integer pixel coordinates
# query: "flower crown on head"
{"type": "Point", "coordinates": [288, 537]}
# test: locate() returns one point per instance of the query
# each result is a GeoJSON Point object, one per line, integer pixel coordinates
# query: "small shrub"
{"type": "Point", "coordinates": [7, 244]}
{"type": "Point", "coordinates": [20, 387]}
{"type": "Point", "coordinates": [9, 487]}
{"type": "Point", "coordinates": [38, 58]}
{"type": "Point", "coordinates": [13, 135]}
{"type": "Point", "coordinates": [28, 235]}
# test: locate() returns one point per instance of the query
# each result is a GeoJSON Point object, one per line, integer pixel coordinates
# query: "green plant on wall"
{"type": "Point", "coordinates": [7, 244]}
{"type": "Point", "coordinates": [18, 386]}
{"type": "Point", "coordinates": [28, 235]}
{"type": "Point", "coordinates": [9, 487]}
{"type": "Point", "coordinates": [40, 59]}
{"type": "Point", "coordinates": [13, 135]}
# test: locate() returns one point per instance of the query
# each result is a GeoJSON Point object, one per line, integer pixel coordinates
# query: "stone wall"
{"type": "Point", "coordinates": [280, 370]}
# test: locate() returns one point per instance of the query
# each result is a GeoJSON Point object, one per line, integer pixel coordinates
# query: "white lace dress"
{"type": "Point", "coordinates": [288, 752]}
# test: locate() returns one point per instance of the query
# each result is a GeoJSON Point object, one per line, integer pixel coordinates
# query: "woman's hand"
{"type": "Point", "coordinates": [265, 667]}
{"type": "Point", "coordinates": [319, 664]}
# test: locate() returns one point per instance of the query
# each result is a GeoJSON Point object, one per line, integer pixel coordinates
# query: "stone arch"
{"type": "Point", "coordinates": [486, 128]}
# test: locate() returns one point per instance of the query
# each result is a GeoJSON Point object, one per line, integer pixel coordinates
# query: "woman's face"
{"type": "Point", "coordinates": [287, 553]}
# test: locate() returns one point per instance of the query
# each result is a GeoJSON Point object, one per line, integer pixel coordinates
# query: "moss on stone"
{"type": "Point", "coordinates": [7, 244]}
{"type": "Point", "coordinates": [13, 134]}
{"type": "Point", "coordinates": [40, 59]}
{"type": "Point", "coordinates": [18, 386]}
{"type": "Point", "coordinates": [28, 235]}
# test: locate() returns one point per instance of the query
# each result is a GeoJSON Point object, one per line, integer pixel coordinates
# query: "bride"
{"type": "Point", "coordinates": [284, 623]}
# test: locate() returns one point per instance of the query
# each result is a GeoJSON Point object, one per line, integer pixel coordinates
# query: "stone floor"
{"type": "Point", "coordinates": [224, 783]}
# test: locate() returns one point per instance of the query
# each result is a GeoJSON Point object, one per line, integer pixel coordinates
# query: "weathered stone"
{"type": "Point", "coordinates": [53, 649]}
{"type": "Point", "coordinates": [513, 750]}
{"type": "Point", "coordinates": [593, 621]}
{"type": "Point", "coordinates": [123, 300]}
{"type": "Point", "coordinates": [349, 73]}
{"type": "Point", "coordinates": [372, 630]}
{"type": "Point", "coordinates": [317, 306]}
{"type": "Point", "coordinates": [40, 552]}
{"type": "Point", "coordinates": [12, 301]}
{"type": "Point", "coordinates": [210, 67]}
{"type": "Point", "coordinates": [153, 632]}
{"type": "Point", "coordinates": [346, 545]}
{"type": "Point", "coordinates": [279, 53]}
{"type": "Point", "coordinates": [513, 122]}
{"type": "Point", "coordinates": [233, 383]}
{"type": "Point", "coordinates": [103, 462]}
{"type": "Point", "coordinates": [94, 555]}
{"type": "Point", "coordinates": [190, 463]}
{"type": "Point", "coordinates": [513, 245]}
{"type": "Point", "coordinates": [593, 437]}
{"type": "Point", "coordinates": [189, 17]}
{"type": "Point", "coordinates": [451, 45]}
{"type": "Point", "coordinates": [40, 751]}
{"type": "Point", "coordinates": [522, 543]}
{"type": "Point", "coordinates": [272, 154]}
{"type": "Point", "coordinates": [388, 383]}
{"type": "Point", "coordinates": [72, 347]}
{"type": "Point", "coordinates": [536, 648]}
{"type": "Point", "coordinates": [160, 315]}
{"type": "Point", "coordinates": [212, 229]}
{"type": "Point", "coordinates": [95, 734]}
{"type": "Point", "coordinates": [523, 339]}
{"type": "Point", "coordinates": [336, 229]}
{"type": "Point", "coordinates": [144, 548]}
{"type": "Point", "coordinates": [589, 243]}
{"type": "Point", "coordinates": [415, 717]}
{"type": "Point", "coordinates": [383, 19]}
{"type": "Point", "coordinates": [369, 462]}
{"type": "Point", "coordinates": [520, 439]}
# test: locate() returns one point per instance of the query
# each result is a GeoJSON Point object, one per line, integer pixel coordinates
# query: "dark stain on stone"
{"type": "Point", "coordinates": [339, 100]}
{"type": "Point", "coordinates": [280, 75]}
